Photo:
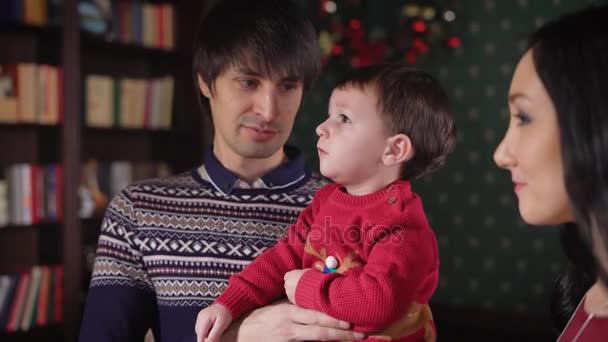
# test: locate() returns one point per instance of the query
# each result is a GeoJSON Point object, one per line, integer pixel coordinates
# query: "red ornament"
{"type": "Point", "coordinates": [322, 11]}
{"type": "Point", "coordinates": [410, 56]}
{"type": "Point", "coordinates": [418, 26]}
{"type": "Point", "coordinates": [420, 45]}
{"type": "Point", "coordinates": [336, 27]}
{"type": "Point", "coordinates": [355, 24]}
{"type": "Point", "coordinates": [337, 50]}
{"type": "Point", "coordinates": [454, 42]}
{"type": "Point", "coordinates": [362, 59]}
{"type": "Point", "coordinates": [357, 40]}
{"type": "Point", "coordinates": [378, 51]}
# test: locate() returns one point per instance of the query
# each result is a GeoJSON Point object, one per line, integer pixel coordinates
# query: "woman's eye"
{"type": "Point", "coordinates": [522, 119]}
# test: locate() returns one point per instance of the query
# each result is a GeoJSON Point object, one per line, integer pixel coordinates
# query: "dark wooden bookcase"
{"type": "Point", "coordinates": [71, 142]}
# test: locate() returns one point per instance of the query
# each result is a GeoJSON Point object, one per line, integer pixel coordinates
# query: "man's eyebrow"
{"type": "Point", "coordinates": [249, 72]}
{"type": "Point", "coordinates": [291, 79]}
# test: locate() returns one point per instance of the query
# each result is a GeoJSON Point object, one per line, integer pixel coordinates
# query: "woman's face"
{"type": "Point", "coordinates": [530, 150]}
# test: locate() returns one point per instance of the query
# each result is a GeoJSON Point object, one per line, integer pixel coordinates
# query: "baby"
{"type": "Point", "coordinates": [362, 251]}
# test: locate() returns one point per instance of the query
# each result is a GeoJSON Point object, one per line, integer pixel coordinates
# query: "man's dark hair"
{"type": "Point", "coordinates": [272, 37]}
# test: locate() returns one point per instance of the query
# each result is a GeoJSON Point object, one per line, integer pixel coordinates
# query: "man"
{"type": "Point", "coordinates": [168, 246]}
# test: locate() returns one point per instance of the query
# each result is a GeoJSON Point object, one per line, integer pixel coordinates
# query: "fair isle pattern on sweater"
{"type": "Point", "coordinates": [182, 239]}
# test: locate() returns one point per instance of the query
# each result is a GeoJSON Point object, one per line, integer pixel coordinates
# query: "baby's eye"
{"type": "Point", "coordinates": [343, 118]}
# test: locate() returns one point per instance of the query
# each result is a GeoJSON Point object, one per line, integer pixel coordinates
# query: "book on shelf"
{"type": "Point", "coordinates": [33, 194]}
{"type": "Point", "coordinates": [128, 102]}
{"type": "Point", "coordinates": [42, 317]}
{"type": "Point", "coordinates": [4, 218]}
{"type": "Point", "coordinates": [16, 309]}
{"type": "Point", "coordinates": [30, 12]}
{"type": "Point", "coordinates": [143, 23]}
{"type": "Point", "coordinates": [7, 286]}
{"type": "Point", "coordinates": [31, 298]}
{"type": "Point", "coordinates": [8, 97]}
{"type": "Point", "coordinates": [31, 93]}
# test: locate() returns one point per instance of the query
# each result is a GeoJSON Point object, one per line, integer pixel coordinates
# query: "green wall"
{"type": "Point", "coordinates": [490, 259]}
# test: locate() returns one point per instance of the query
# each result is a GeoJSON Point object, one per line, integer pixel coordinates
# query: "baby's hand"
{"type": "Point", "coordinates": [211, 323]}
{"type": "Point", "coordinates": [291, 282]}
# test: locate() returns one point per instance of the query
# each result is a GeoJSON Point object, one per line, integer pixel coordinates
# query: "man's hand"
{"type": "Point", "coordinates": [291, 282]}
{"type": "Point", "coordinates": [284, 322]}
{"type": "Point", "coordinates": [211, 323]}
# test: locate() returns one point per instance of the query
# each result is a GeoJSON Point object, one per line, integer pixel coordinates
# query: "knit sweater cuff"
{"type": "Point", "coordinates": [235, 301]}
{"type": "Point", "coordinates": [308, 289]}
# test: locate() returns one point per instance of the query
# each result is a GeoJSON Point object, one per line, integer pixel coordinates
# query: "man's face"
{"type": "Point", "coordinates": [252, 114]}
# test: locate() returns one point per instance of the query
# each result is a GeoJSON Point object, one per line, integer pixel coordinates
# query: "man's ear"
{"type": "Point", "coordinates": [203, 86]}
{"type": "Point", "coordinates": [399, 149]}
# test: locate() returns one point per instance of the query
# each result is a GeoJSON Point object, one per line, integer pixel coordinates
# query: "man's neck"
{"type": "Point", "coordinates": [248, 169]}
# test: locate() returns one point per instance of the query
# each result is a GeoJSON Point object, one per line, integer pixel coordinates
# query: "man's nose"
{"type": "Point", "coordinates": [267, 104]}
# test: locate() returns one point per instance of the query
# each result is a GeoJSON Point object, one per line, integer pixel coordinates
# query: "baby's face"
{"type": "Point", "coordinates": [353, 137]}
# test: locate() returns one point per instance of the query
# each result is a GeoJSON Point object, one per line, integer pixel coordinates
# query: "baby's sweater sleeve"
{"type": "Point", "coordinates": [262, 281]}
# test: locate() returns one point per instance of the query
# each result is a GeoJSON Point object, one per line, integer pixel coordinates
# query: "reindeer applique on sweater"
{"type": "Point", "coordinates": [417, 316]}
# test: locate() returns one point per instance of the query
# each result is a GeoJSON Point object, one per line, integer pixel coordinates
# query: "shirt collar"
{"type": "Point", "coordinates": [285, 175]}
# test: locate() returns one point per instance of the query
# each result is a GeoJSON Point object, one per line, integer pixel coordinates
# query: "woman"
{"type": "Point", "coordinates": [556, 148]}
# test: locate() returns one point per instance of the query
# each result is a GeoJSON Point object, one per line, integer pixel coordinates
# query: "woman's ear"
{"type": "Point", "coordinates": [399, 149]}
{"type": "Point", "coordinates": [203, 86]}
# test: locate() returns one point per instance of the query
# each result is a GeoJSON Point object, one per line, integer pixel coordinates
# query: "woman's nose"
{"type": "Point", "coordinates": [503, 156]}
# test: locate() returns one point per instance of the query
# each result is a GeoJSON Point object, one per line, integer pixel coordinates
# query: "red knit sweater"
{"type": "Point", "coordinates": [386, 250]}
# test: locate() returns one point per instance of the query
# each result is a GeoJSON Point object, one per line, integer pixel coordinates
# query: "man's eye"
{"type": "Point", "coordinates": [248, 83]}
{"type": "Point", "coordinates": [290, 86]}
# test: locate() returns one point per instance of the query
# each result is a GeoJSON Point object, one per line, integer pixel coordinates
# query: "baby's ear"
{"type": "Point", "coordinates": [399, 149]}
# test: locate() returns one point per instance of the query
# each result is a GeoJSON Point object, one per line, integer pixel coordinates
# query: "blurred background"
{"type": "Point", "coordinates": [97, 94]}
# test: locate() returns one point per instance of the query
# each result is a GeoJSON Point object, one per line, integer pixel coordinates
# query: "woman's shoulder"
{"type": "Point", "coordinates": [585, 326]}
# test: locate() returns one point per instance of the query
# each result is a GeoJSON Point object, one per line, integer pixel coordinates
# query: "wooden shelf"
{"type": "Point", "coordinates": [93, 42]}
{"type": "Point", "coordinates": [138, 145]}
{"type": "Point", "coordinates": [28, 143]}
{"type": "Point", "coordinates": [49, 31]}
{"type": "Point", "coordinates": [22, 247]}
{"type": "Point", "coordinates": [28, 43]}
{"type": "Point", "coordinates": [80, 53]}
{"type": "Point", "coordinates": [51, 332]}
{"type": "Point", "coordinates": [97, 43]}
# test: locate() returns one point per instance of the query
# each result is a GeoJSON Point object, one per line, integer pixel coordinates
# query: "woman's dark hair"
{"type": "Point", "coordinates": [577, 277]}
{"type": "Point", "coordinates": [571, 58]}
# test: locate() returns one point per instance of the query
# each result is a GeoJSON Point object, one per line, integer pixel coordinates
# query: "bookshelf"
{"type": "Point", "coordinates": [70, 143]}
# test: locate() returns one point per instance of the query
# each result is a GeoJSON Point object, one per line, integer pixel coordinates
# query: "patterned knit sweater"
{"type": "Point", "coordinates": [168, 247]}
{"type": "Point", "coordinates": [388, 262]}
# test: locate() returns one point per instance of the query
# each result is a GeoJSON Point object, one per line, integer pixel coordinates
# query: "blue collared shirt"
{"type": "Point", "coordinates": [225, 181]}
